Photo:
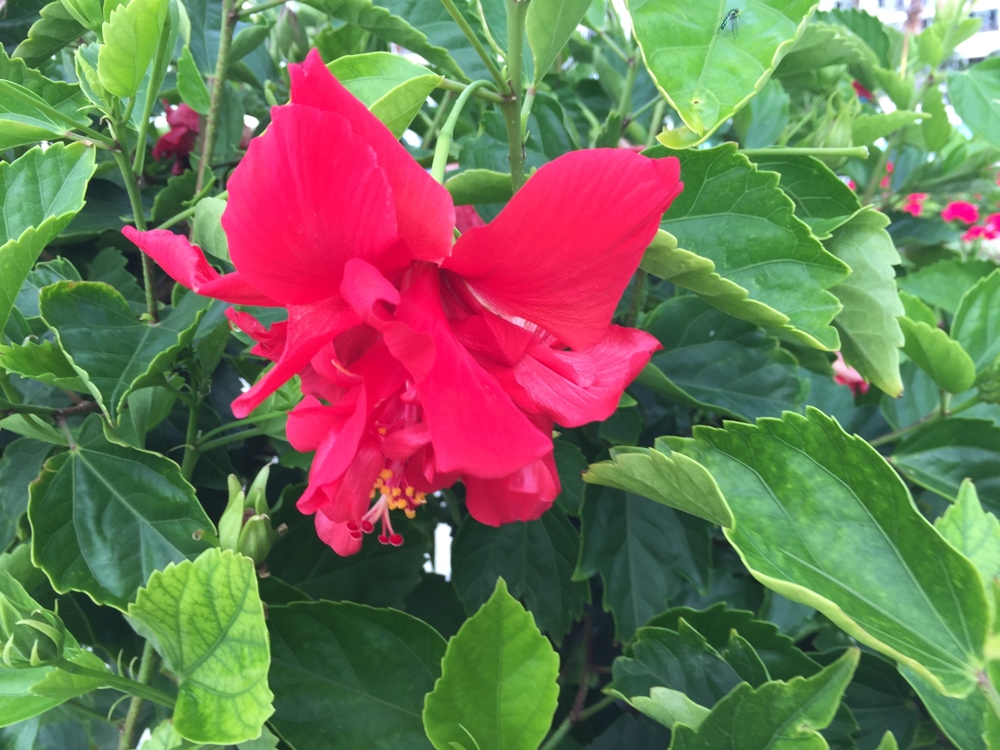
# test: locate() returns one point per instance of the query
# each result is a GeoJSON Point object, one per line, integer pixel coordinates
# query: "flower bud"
{"type": "Point", "coordinates": [245, 525]}
{"type": "Point", "coordinates": [31, 641]}
{"type": "Point", "coordinates": [256, 538]}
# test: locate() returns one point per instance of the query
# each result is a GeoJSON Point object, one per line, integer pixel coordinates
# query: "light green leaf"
{"type": "Point", "coordinates": [64, 685]}
{"type": "Point", "coordinates": [392, 87]}
{"type": "Point", "coordinates": [645, 553]}
{"type": "Point", "coordinates": [190, 85]}
{"type": "Point", "coordinates": [809, 501]}
{"type": "Point", "coordinates": [777, 715]}
{"type": "Point", "coordinates": [719, 363]}
{"type": "Point", "coordinates": [65, 98]}
{"type": "Point", "coordinates": [537, 558]}
{"type": "Point", "coordinates": [104, 517]}
{"type": "Point", "coordinates": [937, 354]}
{"type": "Point", "coordinates": [870, 335]}
{"type": "Point", "coordinates": [113, 352]}
{"type": "Point", "coordinates": [707, 75]}
{"type": "Point", "coordinates": [977, 319]}
{"type": "Point", "coordinates": [130, 39]}
{"type": "Point", "coordinates": [206, 228]}
{"type": "Point", "coordinates": [479, 186]}
{"type": "Point", "coordinates": [669, 478]}
{"type": "Point", "coordinates": [975, 94]}
{"type": "Point", "coordinates": [942, 284]}
{"type": "Point", "coordinates": [917, 310]}
{"type": "Point", "coordinates": [972, 531]}
{"type": "Point", "coordinates": [206, 620]}
{"type": "Point", "coordinates": [670, 707]}
{"type": "Point", "coordinates": [825, 44]}
{"type": "Point", "coordinates": [89, 13]}
{"type": "Point", "coordinates": [54, 30]}
{"type": "Point", "coordinates": [773, 271]}
{"type": "Point", "coordinates": [26, 118]}
{"type": "Point", "coordinates": [85, 63]}
{"type": "Point", "coordinates": [16, 703]}
{"type": "Point", "coordinates": [497, 689]}
{"type": "Point", "coordinates": [888, 742]}
{"type": "Point", "coordinates": [549, 24]}
{"type": "Point", "coordinates": [941, 454]}
{"type": "Point", "coordinates": [936, 128]}
{"type": "Point", "coordinates": [374, 665]}
{"type": "Point", "coordinates": [869, 128]}
{"type": "Point", "coordinates": [42, 361]}
{"type": "Point", "coordinates": [821, 200]}
{"type": "Point", "coordinates": [40, 194]}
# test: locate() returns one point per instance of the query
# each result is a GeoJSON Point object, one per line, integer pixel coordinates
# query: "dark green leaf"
{"type": "Point", "coordinates": [190, 85]}
{"type": "Point", "coordinates": [535, 558]}
{"type": "Point", "coordinates": [54, 30]}
{"type": "Point", "coordinates": [20, 466]}
{"type": "Point", "coordinates": [497, 689]}
{"type": "Point", "coordinates": [42, 361]}
{"type": "Point", "coordinates": [942, 284]}
{"type": "Point", "coordinates": [112, 351]}
{"type": "Point", "coordinates": [976, 321]}
{"type": "Point", "coordinates": [206, 620]}
{"type": "Point", "coordinates": [350, 676]}
{"type": "Point", "coordinates": [104, 517]}
{"type": "Point", "coordinates": [549, 24]}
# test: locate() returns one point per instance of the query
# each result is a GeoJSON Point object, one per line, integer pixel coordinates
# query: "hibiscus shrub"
{"type": "Point", "coordinates": [501, 374]}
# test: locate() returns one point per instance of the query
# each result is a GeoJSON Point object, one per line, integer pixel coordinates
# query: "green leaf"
{"type": "Point", "coordinates": [206, 620]}
{"type": "Point", "coordinates": [972, 531]}
{"type": "Point", "coordinates": [26, 118]}
{"type": "Point", "coordinates": [537, 558]}
{"type": "Point", "coordinates": [16, 703]}
{"type": "Point", "coordinates": [20, 466]}
{"type": "Point", "coordinates": [824, 44]}
{"type": "Point", "coordinates": [43, 361]}
{"type": "Point", "coordinates": [821, 200]}
{"type": "Point", "coordinates": [670, 707]}
{"type": "Point", "coordinates": [976, 321]}
{"type": "Point", "coordinates": [870, 335]}
{"type": "Point", "coordinates": [719, 363]}
{"type": "Point", "coordinates": [44, 273]}
{"type": "Point", "coordinates": [40, 194]}
{"type": "Point", "coordinates": [65, 98]}
{"type": "Point", "coordinates": [943, 284]}
{"type": "Point", "coordinates": [944, 452]}
{"type": "Point", "coordinates": [681, 660]}
{"type": "Point", "coordinates": [190, 85]}
{"type": "Point", "coordinates": [392, 87]}
{"type": "Point", "coordinates": [104, 517]}
{"type": "Point", "coordinates": [937, 354]}
{"type": "Point", "coordinates": [112, 351]}
{"type": "Point", "coordinates": [778, 715]}
{"type": "Point", "coordinates": [962, 720]}
{"type": "Point", "coordinates": [869, 128]}
{"type": "Point", "coordinates": [64, 685]}
{"type": "Point", "coordinates": [644, 553]}
{"type": "Point", "coordinates": [90, 13]}
{"type": "Point", "coordinates": [374, 665]}
{"type": "Point", "coordinates": [497, 689]}
{"type": "Point", "coordinates": [130, 39]}
{"type": "Point", "coordinates": [937, 128]}
{"type": "Point", "coordinates": [773, 271]}
{"type": "Point", "coordinates": [975, 94]}
{"type": "Point", "coordinates": [479, 186]}
{"type": "Point", "coordinates": [54, 30]}
{"type": "Point", "coordinates": [206, 228]}
{"type": "Point", "coordinates": [708, 75]}
{"type": "Point", "coordinates": [669, 478]}
{"type": "Point", "coordinates": [549, 24]}
{"type": "Point", "coordinates": [414, 33]}
{"type": "Point", "coordinates": [809, 501]}
{"type": "Point", "coordinates": [917, 310]}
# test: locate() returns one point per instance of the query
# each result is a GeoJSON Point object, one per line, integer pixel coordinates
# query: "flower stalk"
{"type": "Point", "coordinates": [229, 16]}
{"type": "Point", "coordinates": [146, 664]}
{"type": "Point", "coordinates": [447, 134]}
{"type": "Point", "coordinates": [477, 45]}
{"type": "Point", "coordinates": [517, 11]}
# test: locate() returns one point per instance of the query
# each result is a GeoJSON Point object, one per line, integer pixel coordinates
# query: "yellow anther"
{"type": "Point", "coordinates": [385, 474]}
{"type": "Point", "coordinates": [382, 431]}
{"type": "Point", "coordinates": [410, 492]}
{"type": "Point", "coordinates": [410, 513]}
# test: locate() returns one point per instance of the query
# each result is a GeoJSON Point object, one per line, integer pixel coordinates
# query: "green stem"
{"type": "Point", "coordinates": [229, 17]}
{"type": "Point", "coordinates": [458, 87]}
{"type": "Point", "coordinates": [657, 122]}
{"type": "Point", "coordinates": [861, 152]}
{"type": "Point", "coordinates": [563, 729]}
{"type": "Point", "coordinates": [188, 212]}
{"type": "Point", "coordinates": [477, 45]}
{"type": "Point", "coordinates": [192, 451]}
{"type": "Point", "coordinates": [132, 188]}
{"type": "Point", "coordinates": [511, 108]}
{"type": "Point", "coordinates": [241, 422]}
{"type": "Point", "coordinates": [930, 418]}
{"type": "Point", "coordinates": [638, 298]}
{"type": "Point", "coordinates": [124, 684]}
{"type": "Point", "coordinates": [434, 125]}
{"type": "Point", "coordinates": [234, 438]}
{"type": "Point", "coordinates": [614, 47]}
{"type": "Point", "coordinates": [529, 100]}
{"type": "Point", "coordinates": [443, 147]}
{"type": "Point", "coordinates": [625, 100]}
{"type": "Point", "coordinates": [261, 7]}
{"type": "Point", "coordinates": [160, 61]}
{"type": "Point", "coordinates": [647, 106]}
{"type": "Point", "coordinates": [7, 408]}
{"type": "Point", "coordinates": [146, 664]}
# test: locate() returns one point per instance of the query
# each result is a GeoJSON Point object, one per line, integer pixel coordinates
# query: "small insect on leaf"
{"type": "Point", "coordinates": [731, 19]}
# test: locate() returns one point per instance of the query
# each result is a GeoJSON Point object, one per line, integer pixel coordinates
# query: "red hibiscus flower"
{"type": "Point", "coordinates": [960, 211]}
{"type": "Point", "coordinates": [177, 142]}
{"type": "Point", "coordinates": [425, 361]}
{"type": "Point", "coordinates": [887, 180]}
{"type": "Point", "coordinates": [844, 374]}
{"type": "Point", "coordinates": [862, 92]}
{"type": "Point", "coordinates": [981, 232]}
{"type": "Point", "coordinates": [914, 204]}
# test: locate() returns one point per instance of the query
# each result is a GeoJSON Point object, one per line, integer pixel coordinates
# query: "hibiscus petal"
{"type": "Point", "coordinates": [608, 367]}
{"type": "Point", "coordinates": [562, 251]}
{"type": "Point", "coordinates": [423, 207]}
{"type": "Point", "coordinates": [307, 197]}
{"type": "Point", "coordinates": [522, 496]}
{"type": "Point", "coordinates": [186, 264]}
{"type": "Point", "coordinates": [338, 536]}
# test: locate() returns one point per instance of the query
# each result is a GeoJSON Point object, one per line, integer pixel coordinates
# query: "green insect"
{"type": "Point", "coordinates": [732, 18]}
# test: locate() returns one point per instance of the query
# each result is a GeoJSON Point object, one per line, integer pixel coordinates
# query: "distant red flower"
{"type": "Point", "coordinates": [981, 232]}
{"type": "Point", "coordinates": [862, 92]}
{"type": "Point", "coordinates": [852, 184]}
{"type": "Point", "coordinates": [844, 374]}
{"type": "Point", "coordinates": [992, 223]}
{"type": "Point", "coordinates": [425, 361]}
{"type": "Point", "coordinates": [962, 211]}
{"type": "Point", "coordinates": [177, 142]}
{"type": "Point", "coordinates": [914, 204]}
{"type": "Point", "coordinates": [887, 180]}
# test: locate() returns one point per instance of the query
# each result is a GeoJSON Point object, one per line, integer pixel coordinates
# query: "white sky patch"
{"type": "Point", "coordinates": [441, 564]}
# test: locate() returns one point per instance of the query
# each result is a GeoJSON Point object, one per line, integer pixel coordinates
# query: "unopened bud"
{"type": "Point", "coordinates": [35, 640]}
{"type": "Point", "coordinates": [256, 538]}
